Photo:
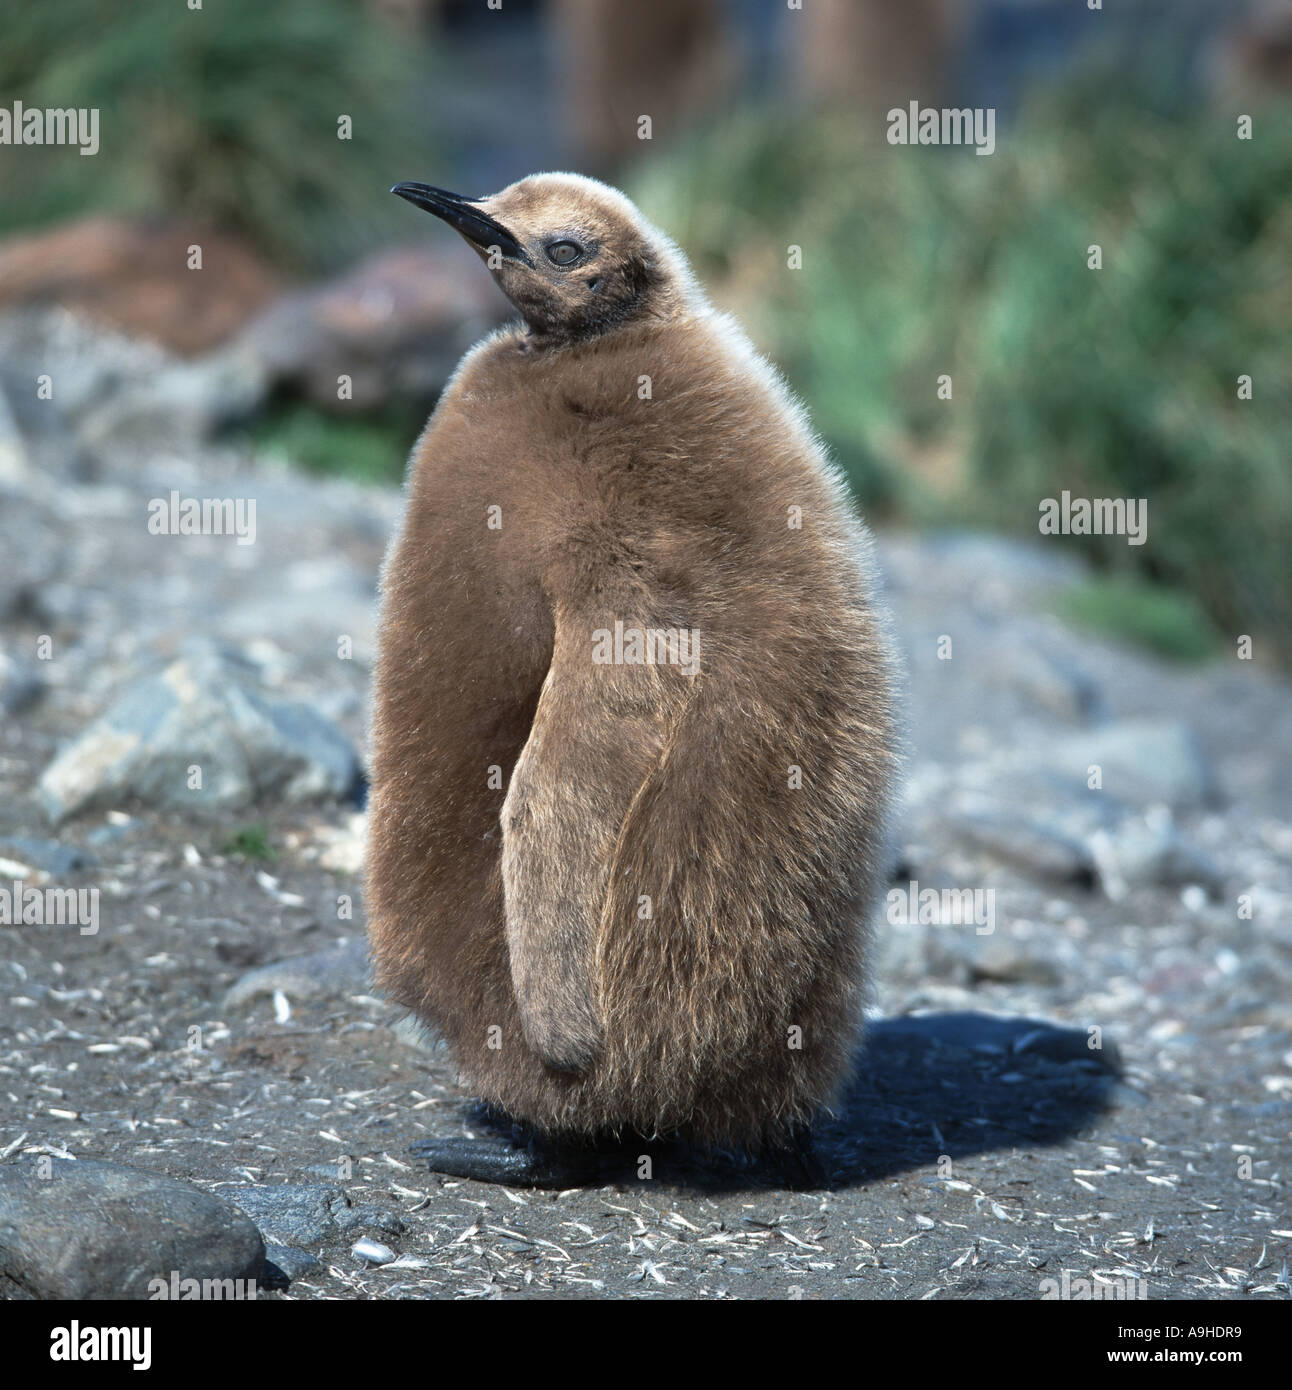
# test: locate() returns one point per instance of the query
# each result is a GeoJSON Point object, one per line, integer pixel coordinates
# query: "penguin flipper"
{"type": "Point", "coordinates": [576, 773]}
{"type": "Point", "coordinates": [549, 934]}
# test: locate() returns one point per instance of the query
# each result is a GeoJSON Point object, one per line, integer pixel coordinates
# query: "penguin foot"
{"type": "Point", "coordinates": [521, 1159]}
{"type": "Point", "coordinates": [496, 1159]}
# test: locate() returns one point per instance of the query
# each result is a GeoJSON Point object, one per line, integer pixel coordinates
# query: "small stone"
{"type": "Point", "coordinates": [372, 1217]}
{"type": "Point", "coordinates": [327, 1171]}
{"type": "Point", "coordinates": [1228, 962]}
{"type": "Point", "coordinates": [998, 958]}
{"type": "Point", "coordinates": [49, 856]}
{"type": "Point", "coordinates": [342, 849]}
{"type": "Point", "coordinates": [372, 1251]}
{"type": "Point", "coordinates": [21, 685]}
{"type": "Point", "coordinates": [95, 1230]}
{"type": "Point", "coordinates": [115, 829]}
{"type": "Point", "coordinates": [289, 1260]}
{"type": "Point", "coordinates": [1029, 841]}
{"type": "Point", "coordinates": [335, 972]}
{"type": "Point", "coordinates": [1194, 897]}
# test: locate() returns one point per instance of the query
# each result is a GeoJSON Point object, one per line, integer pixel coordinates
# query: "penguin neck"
{"type": "Point", "coordinates": [656, 308]}
{"type": "Point", "coordinates": [544, 340]}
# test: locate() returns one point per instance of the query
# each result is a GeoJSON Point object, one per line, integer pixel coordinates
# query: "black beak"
{"type": "Point", "coordinates": [478, 227]}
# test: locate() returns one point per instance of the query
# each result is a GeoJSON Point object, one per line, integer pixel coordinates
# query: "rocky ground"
{"type": "Point", "coordinates": [1087, 1083]}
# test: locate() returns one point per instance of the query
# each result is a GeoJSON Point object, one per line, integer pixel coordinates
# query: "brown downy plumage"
{"type": "Point", "coordinates": [630, 893]}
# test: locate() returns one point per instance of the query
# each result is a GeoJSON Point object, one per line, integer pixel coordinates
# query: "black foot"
{"type": "Point", "coordinates": [496, 1159]}
{"type": "Point", "coordinates": [802, 1168]}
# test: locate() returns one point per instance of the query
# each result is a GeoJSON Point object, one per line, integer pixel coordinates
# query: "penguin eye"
{"type": "Point", "coordinates": [564, 252]}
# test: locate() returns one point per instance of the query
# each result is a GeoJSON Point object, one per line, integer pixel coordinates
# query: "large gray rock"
{"type": "Point", "coordinates": [290, 1260]}
{"type": "Point", "coordinates": [102, 1230]}
{"type": "Point", "coordinates": [395, 325]}
{"type": "Point", "coordinates": [183, 401]}
{"type": "Point", "coordinates": [290, 1213]}
{"type": "Point", "coordinates": [1148, 851]}
{"type": "Point", "coordinates": [205, 710]}
{"type": "Point", "coordinates": [1141, 761]}
{"type": "Point", "coordinates": [308, 1213]}
{"type": "Point", "coordinates": [1055, 828]}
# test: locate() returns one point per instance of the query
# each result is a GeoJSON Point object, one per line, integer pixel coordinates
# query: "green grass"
{"type": "Point", "coordinates": [370, 448]}
{"type": "Point", "coordinates": [225, 116]}
{"type": "Point", "coordinates": [250, 842]}
{"type": "Point", "coordinates": [1164, 621]}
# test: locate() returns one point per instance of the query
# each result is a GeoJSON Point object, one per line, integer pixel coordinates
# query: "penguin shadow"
{"type": "Point", "coordinates": [926, 1087]}
{"type": "Point", "coordinates": [950, 1085]}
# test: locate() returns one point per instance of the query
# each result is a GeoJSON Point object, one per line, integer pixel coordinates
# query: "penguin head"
{"type": "Point", "coordinates": [574, 256]}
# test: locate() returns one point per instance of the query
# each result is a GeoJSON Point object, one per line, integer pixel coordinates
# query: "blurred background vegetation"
{"type": "Point", "coordinates": [1118, 382]}
{"type": "Point", "coordinates": [1113, 129]}
{"type": "Point", "coordinates": [226, 114]}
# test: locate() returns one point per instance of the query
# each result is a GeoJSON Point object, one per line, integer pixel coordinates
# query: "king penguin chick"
{"type": "Point", "coordinates": [633, 725]}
